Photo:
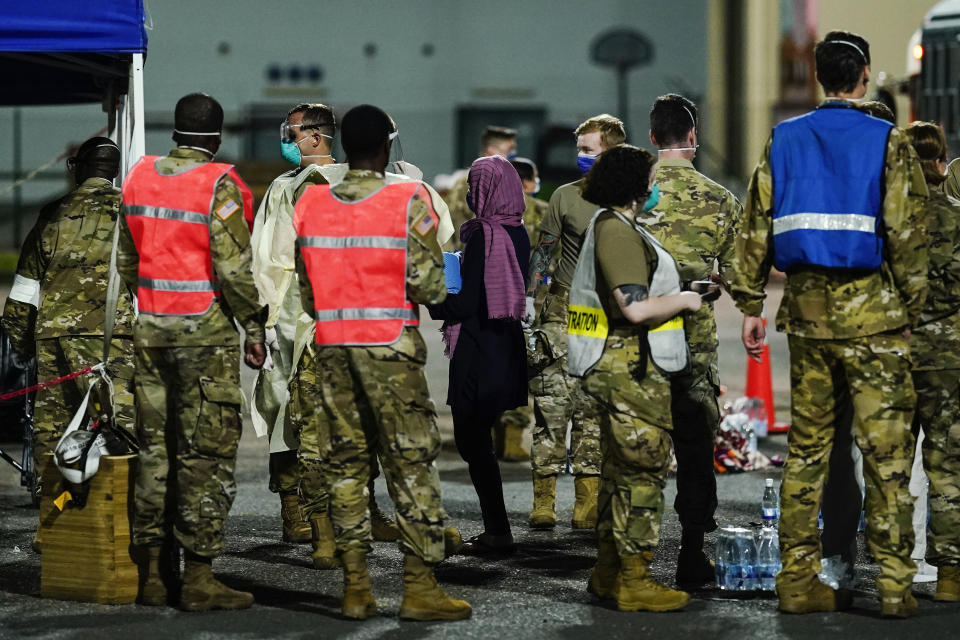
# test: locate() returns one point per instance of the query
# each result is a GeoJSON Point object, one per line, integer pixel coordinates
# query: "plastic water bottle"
{"type": "Point", "coordinates": [770, 505]}
{"type": "Point", "coordinates": [727, 563]}
{"type": "Point", "coordinates": [747, 546]}
{"type": "Point", "coordinates": [768, 559]}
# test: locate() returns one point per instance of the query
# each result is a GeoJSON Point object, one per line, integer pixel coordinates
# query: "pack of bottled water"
{"type": "Point", "coordinates": [746, 561]}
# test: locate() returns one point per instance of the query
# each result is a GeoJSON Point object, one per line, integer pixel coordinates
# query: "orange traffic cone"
{"type": "Point", "coordinates": [760, 385]}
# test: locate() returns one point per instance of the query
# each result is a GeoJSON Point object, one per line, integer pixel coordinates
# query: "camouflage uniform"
{"type": "Point", "coordinates": [532, 217]}
{"type": "Point", "coordinates": [187, 386]}
{"type": "Point", "coordinates": [935, 347]}
{"type": "Point", "coordinates": [456, 200]}
{"type": "Point", "coordinates": [386, 383]}
{"type": "Point", "coordinates": [557, 396]}
{"type": "Point", "coordinates": [845, 337]}
{"type": "Point", "coordinates": [273, 241]}
{"type": "Point", "coordinates": [632, 396]}
{"type": "Point", "coordinates": [68, 253]}
{"type": "Point", "coordinates": [696, 221]}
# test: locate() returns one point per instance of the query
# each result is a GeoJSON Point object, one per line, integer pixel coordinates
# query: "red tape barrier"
{"type": "Point", "coordinates": [48, 383]}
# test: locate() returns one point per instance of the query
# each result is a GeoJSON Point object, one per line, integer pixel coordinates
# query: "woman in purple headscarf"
{"type": "Point", "coordinates": [488, 363]}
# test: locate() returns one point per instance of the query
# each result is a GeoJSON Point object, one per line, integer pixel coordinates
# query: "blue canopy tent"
{"type": "Point", "coordinates": [69, 52]}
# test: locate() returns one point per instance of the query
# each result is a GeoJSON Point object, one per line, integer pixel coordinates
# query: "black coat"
{"type": "Point", "coordinates": [488, 370]}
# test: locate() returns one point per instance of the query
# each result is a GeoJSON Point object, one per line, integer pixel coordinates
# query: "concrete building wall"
{"type": "Point", "coordinates": [495, 53]}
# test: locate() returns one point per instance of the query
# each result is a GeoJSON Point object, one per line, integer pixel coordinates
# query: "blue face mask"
{"type": "Point", "coordinates": [537, 190]}
{"type": "Point", "coordinates": [511, 155]}
{"type": "Point", "coordinates": [653, 199]}
{"type": "Point", "coordinates": [290, 152]}
{"type": "Point", "coordinates": [585, 161]}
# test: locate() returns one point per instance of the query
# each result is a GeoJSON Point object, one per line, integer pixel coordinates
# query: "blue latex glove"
{"type": "Point", "coordinates": [451, 271]}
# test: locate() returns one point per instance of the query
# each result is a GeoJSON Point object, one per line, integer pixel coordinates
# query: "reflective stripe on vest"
{"type": "Point", "coordinates": [169, 219]}
{"type": "Point", "coordinates": [358, 278]}
{"type": "Point", "coordinates": [827, 172]}
{"type": "Point", "coordinates": [587, 322]}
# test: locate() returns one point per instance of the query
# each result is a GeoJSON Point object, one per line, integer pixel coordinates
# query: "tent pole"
{"type": "Point", "coordinates": [135, 97]}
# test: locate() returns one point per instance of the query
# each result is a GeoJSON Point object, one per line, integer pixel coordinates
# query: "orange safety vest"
{"type": "Point", "coordinates": [169, 219]}
{"type": "Point", "coordinates": [355, 255]}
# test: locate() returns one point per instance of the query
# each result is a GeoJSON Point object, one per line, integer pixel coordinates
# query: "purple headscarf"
{"type": "Point", "coordinates": [496, 197]}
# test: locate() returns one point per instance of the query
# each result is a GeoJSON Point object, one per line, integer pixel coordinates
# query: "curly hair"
{"type": "Point", "coordinates": [619, 177]}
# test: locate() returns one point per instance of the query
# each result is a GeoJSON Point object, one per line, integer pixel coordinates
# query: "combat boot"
{"type": "Point", "coordinates": [423, 599]}
{"type": "Point", "coordinates": [638, 591]}
{"type": "Point", "coordinates": [543, 515]}
{"type": "Point", "coordinates": [295, 528]}
{"type": "Point", "coordinates": [604, 578]}
{"type": "Point", "coordinates": [321, 530]}
{"type": "Point", "coordinates": [384, 530]}
{"type": "Point", "coordinates": [202, 592]}
{"type": "Point", "coordinates": [819, 597]}
{"type": "Point", "coordinates": [585, 489]}
{"type": "Point", "coordinates": [358, 602]}
{"type": "Point", "coordinates": [513, 449]}
{"type": "Point", "coordinates": [897, 605]}
{"type": "Point", "coordinates": [151, 591]}
{"type": "Point", "coordinates": [452, 541]}
{"type": "Point", "coordinates": [948, 584]}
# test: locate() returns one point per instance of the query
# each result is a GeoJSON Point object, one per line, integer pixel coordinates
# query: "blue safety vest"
{"type": "Point", "coordinates": [827, 168]}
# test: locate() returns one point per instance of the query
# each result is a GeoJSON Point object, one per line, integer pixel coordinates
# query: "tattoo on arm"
{"type": "Point", "coordinates": [540, 260]}
{"type": "Point", "coordinates": [633, 293]}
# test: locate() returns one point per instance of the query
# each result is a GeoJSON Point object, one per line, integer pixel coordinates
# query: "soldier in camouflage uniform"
{"type": "Point", "coordinates": [508, 432]}
{"type": "Point", "coordinates": [56, 308]}
{"type": "Point", "coordinates": [387, 383]}
{"type": "Point", "coordinates": [847, 341]}
{"type": "Point", "coordinates": [495, 141]}
{"type": "Point", "coordinates": [557, 397]}
{"type": "Point", "coordinates": [187, 383]}
{"type": "Point", "coordinates": [935, 350]}
{"type": "Point", "coordinates": [628, 385]}
{"type": "Point", "coordinates": [696, 221]}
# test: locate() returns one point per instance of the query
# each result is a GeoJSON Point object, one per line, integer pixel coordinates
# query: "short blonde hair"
{"type": "Point", "coordinates": [611, 129]}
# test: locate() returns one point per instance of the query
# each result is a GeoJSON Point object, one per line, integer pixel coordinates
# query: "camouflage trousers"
{"type": "Point", "coordinates": [874, 372]}
{"type": "Point", "coordinates": [55, 406]}
{"type": "Point", "coordinates": [519, 417]}
{"type": "Point", "coordinates": [559, 400]}
{"type": "Point", "coordinates": [188, 422]}
{"type": "Point", "coordinates": [938, 414]}
{"type": "Point", "coordinates": [635, 419]}
{"type": "Point", "coordinates": [312, 429]}
{"type": "Point", "coordinates": [388, 382]}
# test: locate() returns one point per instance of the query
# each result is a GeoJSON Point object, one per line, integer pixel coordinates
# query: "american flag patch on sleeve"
{"type": "Point", "coordinates": [227, 209]}
{"type": "Point", "coordinates": [425, 224]}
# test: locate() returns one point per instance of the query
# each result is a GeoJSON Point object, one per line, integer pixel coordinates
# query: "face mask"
{"type": "Point", "coordinates": [511, 155]}
{"type": "Point", "coordinates": [585, 161]}
{"type": "Point", "coordinates": [653, 199]}
{"type": "Point", "coordinates": [537, 190]}
{"type": "Point", "coordinates": [290, 151]}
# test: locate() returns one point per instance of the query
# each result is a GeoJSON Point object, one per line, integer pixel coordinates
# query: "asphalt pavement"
{"type": "Point", "coordinates": [537, 593]}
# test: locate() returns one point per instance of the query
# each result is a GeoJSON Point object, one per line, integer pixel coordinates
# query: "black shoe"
{"type": "Point", "coordinates": [695, 570]}
{"type": "Point", "coordinates": [487, 544]}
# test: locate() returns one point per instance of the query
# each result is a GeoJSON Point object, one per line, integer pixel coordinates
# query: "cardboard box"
{"type": "Point", "coordinates": [86, 552]}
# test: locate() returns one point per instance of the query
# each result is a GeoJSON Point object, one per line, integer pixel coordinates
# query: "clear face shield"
{"type": "Point", "coordinates": [397, 164]}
